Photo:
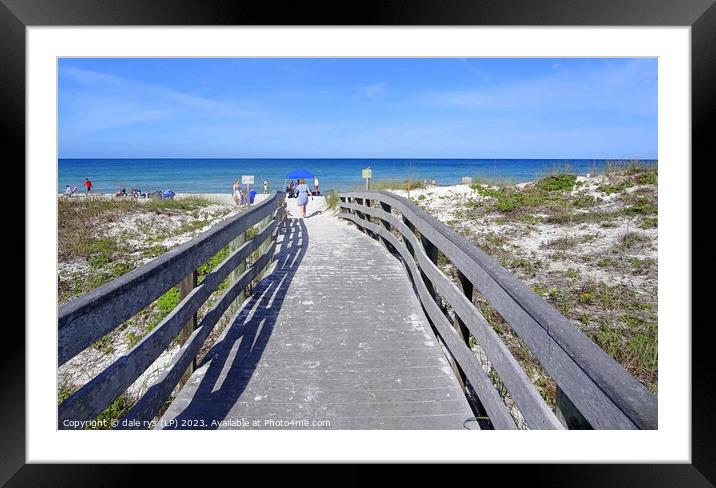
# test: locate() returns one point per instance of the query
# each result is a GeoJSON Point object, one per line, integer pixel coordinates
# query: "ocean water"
{"type": "Point", "coordinates": [217, 175]}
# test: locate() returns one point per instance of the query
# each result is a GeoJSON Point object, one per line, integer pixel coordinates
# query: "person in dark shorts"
{"type": "Point", "coordinates": [88, 185]}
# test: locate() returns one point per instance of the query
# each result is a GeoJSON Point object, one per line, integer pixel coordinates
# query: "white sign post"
{"type": "Point", "coordinates": [367, 174]}
{"type": "Point", "coordinates": [247, 180]}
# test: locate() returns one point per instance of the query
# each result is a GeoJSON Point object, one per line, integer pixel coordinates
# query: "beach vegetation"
{"type": "Point", "coordinates": [557, 182]}
{"type": "Point", "coordinates": [189, 204]}
{"type": "Point", "coordinates": [649, 223]}
{"type": "Point", "coordinates": [646, 177]}
{"type": "Point", "coordinates": [530, 219]}
{"type": "Point", "coordinates": [332, 199]}
{"type": "Point", "coordinates": [642, 266]}
{"type": "Point", "coordinates": [571, 273]}
{"type": "Point", "coordinates": [586, 201]}
{"type": "Point", "coordinates": [168, 302]}
{"type": "Point", "coordinates": [612, 188]}
{"type": "Point", "coordinates": [154, 251]}
{"type": "Point", "coordinates": [104, 344]}
{"type": "Point", "coordinates": [528, 266]}
{"type": "Point", "coordinates": [114, 412]}
{"type": "Point", "coordinates": [407, 184]}
{"type": "Point", "coordinates": [613, 315]}
{"type": "Point", "coordinates": [565, 242]}
{"type": "Point", "coordinates": [64, 392]}
{"type": "Point", "coordinates": [642, 206]}
{"type": "Point", "coordinates": [192, 226]}
{"type": "Point", "coordinates": [630, 240]}
{"type": "Point", "coordinates": [589, 237]}
{"type": "Point", "coordinates": [539, 288]}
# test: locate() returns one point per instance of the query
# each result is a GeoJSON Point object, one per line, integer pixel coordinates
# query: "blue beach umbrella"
{"type": "Point", "coordinates": [299, 173]}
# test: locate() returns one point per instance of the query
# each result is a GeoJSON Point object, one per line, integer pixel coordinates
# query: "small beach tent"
{"type": "Point", "coordinates": [298, 173]}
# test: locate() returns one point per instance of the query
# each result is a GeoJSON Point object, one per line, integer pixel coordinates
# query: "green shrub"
{"type": "Point", "coordinates": [647, 178]}
{"type": "Point", "coordinates": [192, 226]}
{"type": "Point", "coordinates": [332, 199]}
{"type": "Point", "coordinates": [213, 262]}
{"type": "Point", "coordinates": [166, 206]}
{"type": "Point", "coordinates": [586, 201]}
{"type": "Point", "coordinates": [560, 182]}
{"type": "Point", "coordinates": [168, 301]}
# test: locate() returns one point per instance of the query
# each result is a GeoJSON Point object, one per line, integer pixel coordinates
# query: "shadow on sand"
{"type": "Point", "coordinates": [233, 360]}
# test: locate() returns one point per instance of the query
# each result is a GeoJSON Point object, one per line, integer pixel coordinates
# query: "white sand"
{"type": "Point", "coordinates": [448, 204]}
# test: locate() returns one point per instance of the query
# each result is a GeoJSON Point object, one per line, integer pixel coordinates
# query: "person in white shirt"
{"type": "Point", "coordinates": [315, 184]}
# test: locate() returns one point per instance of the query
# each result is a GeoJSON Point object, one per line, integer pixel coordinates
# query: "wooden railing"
{"type": "Point", "coordinates": [593, 390]}
{"type": "Point", "coordinates": [90, 317]}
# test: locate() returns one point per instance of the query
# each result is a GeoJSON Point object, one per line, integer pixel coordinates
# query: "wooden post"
{"type": "Point", "coordinates": [463, 332]}
{"type": "Point", "coordinates": [432, 253]}
{"type": "Point", "coordinates": [237, 272]}
{"type": "Point", "coordinates": [367, 217]}
{"type": "Point", "coordinates": [185, 287]}
{"type": "Point", "coordinates": [410, 226]}
{"type": "Point", "coordinates": [386, 208]}
{"type": "Point", "coordinates": [266, 245]}
{"type": "Point", "coordinates": [361, 215]}
{"type": "Point", "coordinates": [465, 286]}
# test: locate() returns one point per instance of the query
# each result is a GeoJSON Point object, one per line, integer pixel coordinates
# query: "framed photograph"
{"type": "Point", "coordinates": [303, 238]}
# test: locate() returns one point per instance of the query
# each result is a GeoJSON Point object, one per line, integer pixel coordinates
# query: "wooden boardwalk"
{"type": "Point", "coordinates": [334, 337]}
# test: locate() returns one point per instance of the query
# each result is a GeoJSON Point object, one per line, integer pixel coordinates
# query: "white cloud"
{"type": "Point", "coordinates": [107, 101]}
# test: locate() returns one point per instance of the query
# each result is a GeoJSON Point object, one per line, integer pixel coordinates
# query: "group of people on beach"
{"type": "Point", "coordinates": [71, 191]}
{"type": "Point", "coordinates": [291, 188]}
{"type": "Point", "coordinates": [241, 193]}
{"type": "Point", "coordinates": [134, 193]}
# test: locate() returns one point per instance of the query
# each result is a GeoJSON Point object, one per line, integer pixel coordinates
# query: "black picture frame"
{"type": "Point", "coordinates": [16, 15]}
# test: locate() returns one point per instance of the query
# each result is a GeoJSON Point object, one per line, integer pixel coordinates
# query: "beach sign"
{"type": "Point", "coordinates": [367, 175]}
{"type": "Point", "coordinates": [247, 179]}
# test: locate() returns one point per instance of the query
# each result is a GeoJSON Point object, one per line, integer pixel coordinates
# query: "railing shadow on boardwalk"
{"type": "Point", "coordinates": [222, 384]}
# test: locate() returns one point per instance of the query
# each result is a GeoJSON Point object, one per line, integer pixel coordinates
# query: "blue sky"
{"type": "Point", "coordinates": [354, 108]}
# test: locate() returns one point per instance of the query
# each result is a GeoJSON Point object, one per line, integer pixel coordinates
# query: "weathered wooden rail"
{"type": "Point", "coordinates": [90, 317]}
{"type": "Point", "coordinates": [593, 390]}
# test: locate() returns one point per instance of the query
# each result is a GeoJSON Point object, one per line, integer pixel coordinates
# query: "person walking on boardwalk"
{"type": "Point", "coordinates": [303, 193]}
{"type": "Point", "coordinates": [265, 186]}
